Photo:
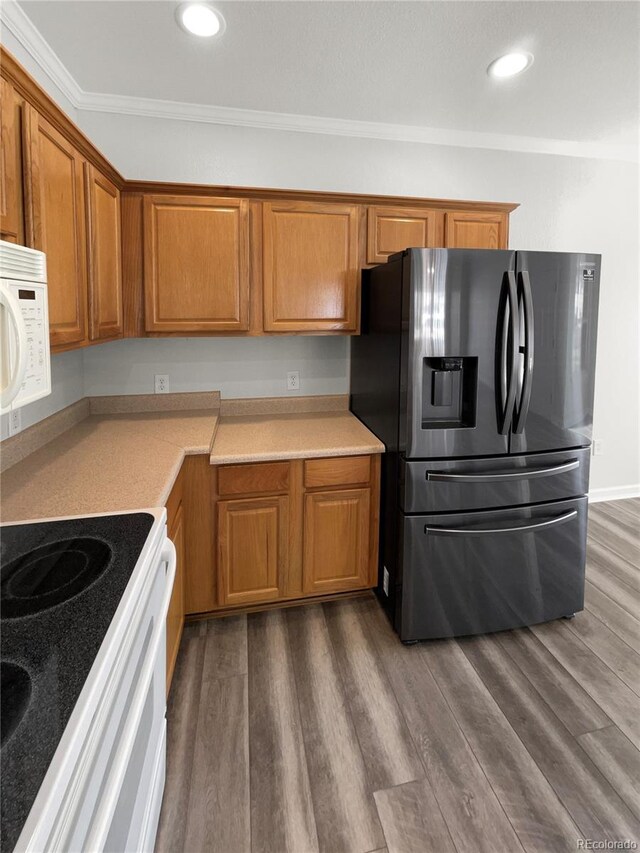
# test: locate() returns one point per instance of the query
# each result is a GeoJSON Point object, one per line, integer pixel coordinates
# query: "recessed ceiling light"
{"type": "Point", "coordinates": [510, 64]}
{"type": "Point", "coordinates": [199, 19]}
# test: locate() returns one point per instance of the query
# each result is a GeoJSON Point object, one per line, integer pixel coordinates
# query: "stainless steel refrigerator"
{"type": "Point", "coordinates": [476, 369]}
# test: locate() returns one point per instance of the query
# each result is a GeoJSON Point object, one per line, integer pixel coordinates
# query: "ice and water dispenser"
{"type": "Point", "coordinates": [449, 385]}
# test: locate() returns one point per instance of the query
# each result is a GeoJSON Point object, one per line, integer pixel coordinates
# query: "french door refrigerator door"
{"type": "Point", "coordinates": [558, 316]}
{"type": "Point", "coordinates": [476, 572]}
{"type": "Point", "coordinates": [459, 347]}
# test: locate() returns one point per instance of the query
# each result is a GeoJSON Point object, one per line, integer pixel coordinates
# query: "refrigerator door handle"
{"type": "Point", "coordinates": [522, 410]}
{"type": "Point", "coordinates": [520, 528]}
{"type": "Point", "coordinates": [520, 474]}
{"type": "Point", "coordinates": [509, 355]}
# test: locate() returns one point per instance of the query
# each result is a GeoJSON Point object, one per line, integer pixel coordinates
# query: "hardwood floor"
{"type": "Point", "coordinates": [314, 730]}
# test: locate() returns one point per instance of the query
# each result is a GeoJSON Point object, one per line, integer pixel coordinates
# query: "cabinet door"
{"type": "Point", "coordinates": [196, 264]}
{"type": "Point", "coordinates": [105, 257]}
{"type": "Point", "coordinates": [252, 549]}
{"type": "Point", "coordinates": [11, 197]}
{"type": "Point", "coordinates": [392, 229]}
{"type": "Point", "coordinates": [336, 540]}
{"type": "Point", "coordinates": [476, 230]}
{"type": "Point", "coordinates": [55, 217]}
{"type": "Point", "coordinates": [175, 614]}
{"type": "Point", "coordinates": [310, 267]}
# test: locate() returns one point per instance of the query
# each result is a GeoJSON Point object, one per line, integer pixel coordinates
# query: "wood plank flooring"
{"type": "Point", "coordinates": [314, 730]}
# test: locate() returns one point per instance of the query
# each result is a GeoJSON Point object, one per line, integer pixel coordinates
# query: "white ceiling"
{"type": "Point", "coordinates": [409, 63]}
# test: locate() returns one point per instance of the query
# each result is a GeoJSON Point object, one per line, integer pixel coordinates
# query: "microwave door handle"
{"type": "Point", "coordinates": [12, 308]}
{"type": "Point", "coordinates": [507, 371]}
{"type": "Point", "coordinates": [527, 349]}
{"type": "Point", "coordinates": [521, 528]}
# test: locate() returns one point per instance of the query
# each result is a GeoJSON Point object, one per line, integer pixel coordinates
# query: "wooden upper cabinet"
{"type": "Point", "coordinates": [196, 264]}
{"type": "Point", "coordinates": [468, 230]}
{"type": "Point", "coordinates": [253, 547]}
{"type": "Point", "coordinates": [336, 540]}
{"type": "Point", "coordinates": [392, 229]}
{"type": "Point", "coordinates": [55, 224]}
{"type": "Point", "coordinates": [11, 194]}
{"type": "Point", "coordinates": [105, 256]}
{"type": "Point", "coordinates": [310, 266]}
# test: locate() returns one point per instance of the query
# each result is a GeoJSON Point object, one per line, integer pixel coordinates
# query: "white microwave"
{"type": "Point", "coordinates": [25, 361]}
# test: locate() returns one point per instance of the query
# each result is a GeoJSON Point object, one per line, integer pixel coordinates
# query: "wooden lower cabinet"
{"type": "Point", "coordinates": [336, 540]}
{"type": "Point", "coordinates": [253, 549]}
{"type": "Point", "coordinates": [300, 528]}
{"type": "Point", "coordinates": [175, 614]}
{"type": "Point", "coordinates": [256, 534]}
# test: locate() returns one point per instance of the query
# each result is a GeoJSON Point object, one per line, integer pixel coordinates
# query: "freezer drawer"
{"type": "Point", "coordinates": [443, 485]}
{"type": "Point", "coordinates": [472, 573]}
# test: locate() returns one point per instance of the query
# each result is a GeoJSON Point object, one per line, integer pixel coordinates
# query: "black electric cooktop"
{"type": "Point", "coordinates": [60, 585]}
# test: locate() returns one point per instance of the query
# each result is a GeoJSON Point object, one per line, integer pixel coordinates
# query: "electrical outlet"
{"type": "Point", "coordinates": [15, 421]}
{"type": "Point", "coordinates": [598, 447]}
{"type": "Point", "coordinates": [162, 383]}
{"type": "Point", "coordinates": [293, 380]}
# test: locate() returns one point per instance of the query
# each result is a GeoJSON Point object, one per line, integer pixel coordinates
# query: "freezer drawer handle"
{"type": "Point", "coordinates": [522, 474]}
{"type": "Point", "coordinates": [521, 528]}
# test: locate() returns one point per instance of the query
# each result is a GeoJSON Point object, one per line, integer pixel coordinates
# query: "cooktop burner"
{"type": "Point", "coordinates": [15, 693]}
{"type": "Point", "coordinates": [50, 575]}
{"type": "Point", "coordinates": [60, 585]}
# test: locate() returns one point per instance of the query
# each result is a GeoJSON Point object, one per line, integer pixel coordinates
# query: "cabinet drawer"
{"type": "Point", "coordinates": [337, 471]}
{"type": "Point", "coordinates": [264, 477]}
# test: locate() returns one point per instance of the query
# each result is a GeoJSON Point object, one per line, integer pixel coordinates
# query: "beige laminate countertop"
{"type": "Point", "coordinates": [107, 463]}
{"type": "Point", "coordinates": [112, 463]}
{"type": "Point", "coordinates": [259, 438]}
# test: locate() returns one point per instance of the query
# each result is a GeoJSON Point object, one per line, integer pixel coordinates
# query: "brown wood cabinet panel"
{"type": "Point", "coordinates": [55, 224]}
{"type": "Point", "coordinates": [337, 471]}
{"type": "Point", "coordinates": [392, 229]}
{"type": "Point", "coordinates": [252, 549]}
{"type": "Point", "coordinates": [11, 192]}
{"type": "Point", "coordinates": [175, 614]}
{"type": "Point", "coordinates": [336, 540]}
{"type": "Point", "coordinates": [464, 230]}
{"type": "Point", "coordinates": [105, 256]}
{"type": "Point", "coordinates": [199, 506]}
{"type": "Point", "coordinates": [264, 477]}
{"type": "Point", "coordinates": [196, 264]}
{"type": "Point", "coordinates": [310, 267]}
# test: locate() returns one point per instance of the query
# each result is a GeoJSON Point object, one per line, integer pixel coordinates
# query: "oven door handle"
{"type": "Point", "coordinates": [520, 528]}
{"type": "Point", "coordinates": [101, 823]}
{"type": "Point", "coordinates": [520, 474]}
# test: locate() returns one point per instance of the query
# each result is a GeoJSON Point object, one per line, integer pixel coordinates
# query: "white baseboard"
{"type": "Point", "coordinates": [616, 493]}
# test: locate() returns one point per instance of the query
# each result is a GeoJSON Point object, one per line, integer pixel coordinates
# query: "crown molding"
{"type": "Point", "coordinates": [287, 122]}
{"type": "Point", "coordinates": [19, 24]}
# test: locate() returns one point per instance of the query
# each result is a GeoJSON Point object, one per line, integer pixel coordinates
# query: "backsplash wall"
{"type": "Point", "coordinates": [237, 367]}
{"type": "Point", "coordinates": [67, 387]}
